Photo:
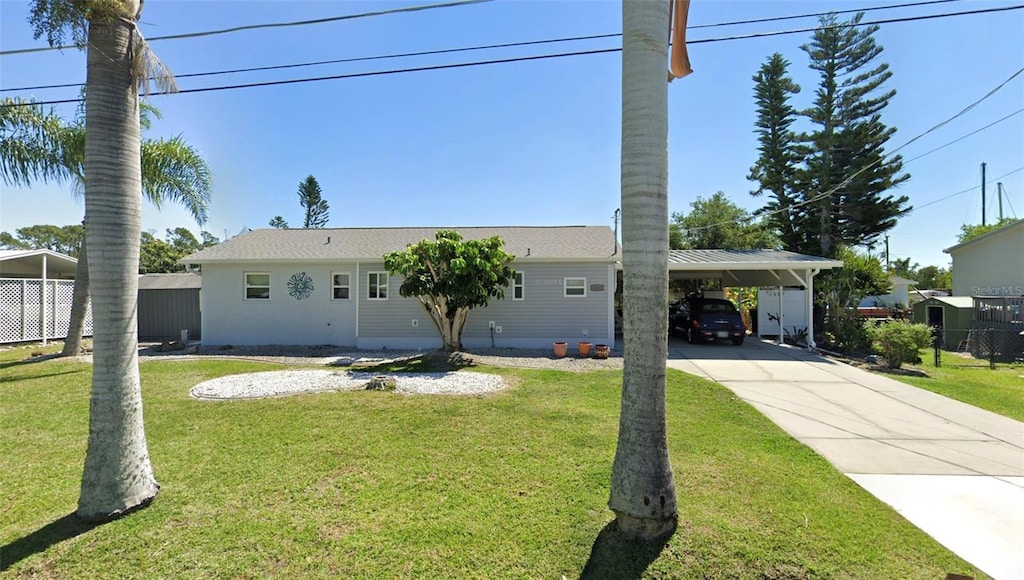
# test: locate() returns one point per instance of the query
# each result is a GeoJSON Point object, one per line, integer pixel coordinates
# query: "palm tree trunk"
{"type": "Point", "coordinates": [117, 477]}
{"type": "Point", "coordinates": [79, 305]}
{"type": "Point", "coordinates": [642, 488]}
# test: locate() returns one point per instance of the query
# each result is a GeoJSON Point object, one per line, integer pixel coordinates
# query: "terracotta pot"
{"type": "Point", "coordinates": [584, 349]}
{"type": "Point", "coordinates": [601, 351]}
{"type": "Point", "coordinates": [560, 349]}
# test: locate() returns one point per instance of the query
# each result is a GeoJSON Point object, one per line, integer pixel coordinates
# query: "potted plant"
{"type": "Point", "coordinates": [560, 349]}
{"type": "Point", "coordinates": [584, 349]}
{"type": "Point", "coordinates": [601, 351]}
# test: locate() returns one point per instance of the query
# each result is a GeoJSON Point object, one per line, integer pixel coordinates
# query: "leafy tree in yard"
{"type": "Point", "coordinates": [846, 150]}
{"type": "Point", "coordinates": [63, 239]}
{"type": "Point", "coordinates": [311, 199]}
{"type": "Point", "coordinates": [779, 158]}
{"type": "Point", "coordinates": [718, 223]}
{"type": "Point", "coordinates": [278, 222]}
{"type": "Point", "coordinates": [118, 476]}
{"type": "Point", "coordinates": [451, 276]}
{"type": "Point", "coordinates": [160, 256]}
{"type": "Point", "coordinates": [934, 277]}
{"type": "Point", "coordinates": [969, 231]}
{"type": "Point", "coordinates": [643, 491]}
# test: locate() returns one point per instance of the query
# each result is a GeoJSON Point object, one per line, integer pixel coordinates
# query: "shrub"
{"type": "Point", "coordinates": [899, 341]}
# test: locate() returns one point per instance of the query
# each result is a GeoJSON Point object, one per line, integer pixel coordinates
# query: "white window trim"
{"type": "Point", "coordinates": [246, 286]}
{"type": "Point", "coordinates": [387, 283]}
{"type": "Point", "coordinates": [349, 286]}
{"type": "Point", "coordinates": [521, 286]}
{"type": "Point", "coordinates": [565, 287]}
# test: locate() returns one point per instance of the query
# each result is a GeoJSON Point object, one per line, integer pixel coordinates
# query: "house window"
{"type": "Point", "coordinates": [517, 286]}
{"type": "Point", "coordinates": [575, 287]}
{"type": "Point", "coordinates": [257, 285]}
{"type": "Point", "coordinates": [340, 286]}
{"type": "Point", "coordinates": [377, 286]}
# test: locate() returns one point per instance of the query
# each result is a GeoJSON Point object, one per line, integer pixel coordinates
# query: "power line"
{"type": "Point", "coordinates": [540, 57]}
{"type": "Point", "coordinates": [972, 133]}
{"type": "Point", "coordinates": [270, 25]}
{"type": "Point", "coordinates": [961, 192]}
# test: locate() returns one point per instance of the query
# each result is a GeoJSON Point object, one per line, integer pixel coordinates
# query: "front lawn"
{"type": "Point", "coordinates": [373, 484]}
{"type": "Point", "coordinates": [972, 381]}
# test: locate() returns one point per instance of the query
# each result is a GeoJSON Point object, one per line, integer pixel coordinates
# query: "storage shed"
{"type": "Point", "coordinates": [952, 313]}
{"type": "Point", "coordinates": [168, 304]}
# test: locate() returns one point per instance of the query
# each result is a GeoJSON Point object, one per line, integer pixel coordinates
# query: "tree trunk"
{"type": "Point", "coordinates": [79, 305]}
{"type": "Point", "coordinates": [117, 477]}
{"type": "Point", "coordinates": [642, 488]}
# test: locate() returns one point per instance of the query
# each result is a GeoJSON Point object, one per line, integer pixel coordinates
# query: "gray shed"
{"type": "Point", "coordinates": [952, 313]}
{"type": "Point", "coordinates": [168, 304]}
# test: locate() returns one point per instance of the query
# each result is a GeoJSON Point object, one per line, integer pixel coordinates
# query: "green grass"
{"type": "Point", "coordinates": [972, 381]}
{"type": "Point", "coordinates": [372, 484]}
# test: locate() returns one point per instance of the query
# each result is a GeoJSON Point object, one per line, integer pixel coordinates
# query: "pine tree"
{"type": "Point", "coordinates": [846, 151]}
{"type": "Point", "coordinates": [312, 201]}
{"type": "Point", "coordinates": [278, 222]}
{"type": "Point", "coordinates": [778, 160]}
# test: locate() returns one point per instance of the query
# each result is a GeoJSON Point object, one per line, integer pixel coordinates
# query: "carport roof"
{"type": "Point", "coordinates": [747, 267]}
{"type": "Point", "coordinates": [29, 264]}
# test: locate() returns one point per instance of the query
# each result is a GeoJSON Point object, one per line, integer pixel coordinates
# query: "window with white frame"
{"type": "Point", "coordinates": [377, 285]}
{"type": "Point", "coordinates": [518, 287]}
{"type": "Point", "coordinates": [575, 287]}
{"type": "Point", "coordinates": [257, 285]}
{"type": "Point", "coordinates": [340, 285]}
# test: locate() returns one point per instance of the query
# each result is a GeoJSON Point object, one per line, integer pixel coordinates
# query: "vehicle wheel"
{"type": "Point", "coordinates": [737, 341]}
{"type": "Point", "coordinates": [691, 337]}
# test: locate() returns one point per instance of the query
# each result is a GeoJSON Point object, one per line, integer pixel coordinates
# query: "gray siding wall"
{"type": "Point", "coordinates": [230, 319]}
{"type": "Point", "coordinates": [163, 314]}
{"type": "Point", "coordinates": [544, 315]}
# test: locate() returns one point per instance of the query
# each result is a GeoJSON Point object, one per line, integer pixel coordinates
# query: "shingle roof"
{"type": "Point", "coordinates": [747, 259]}
{"type": "Point", "coordinates": [537, 242]}
{"type": "Point", "coordinates": [175, 281]}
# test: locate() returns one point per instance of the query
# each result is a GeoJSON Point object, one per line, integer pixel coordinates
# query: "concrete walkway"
{"type": "Point", "coordinates": [955, 471]}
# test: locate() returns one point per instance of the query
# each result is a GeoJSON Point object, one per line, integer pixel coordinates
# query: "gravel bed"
{"type": "Point", "coordinates": [281, 383]}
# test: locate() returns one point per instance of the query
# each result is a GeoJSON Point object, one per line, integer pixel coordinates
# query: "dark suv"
{"type": "Point", "coordinates": [708, 319]}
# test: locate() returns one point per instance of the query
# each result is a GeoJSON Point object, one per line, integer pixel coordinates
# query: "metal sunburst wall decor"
{"type": "Point", "coordinates": [300, 285]}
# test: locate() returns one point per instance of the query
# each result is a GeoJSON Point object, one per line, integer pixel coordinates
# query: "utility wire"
{"type": "Point", "coordinates": [972, 133]}
{"type": "Point", "coordinates": [961, 192]}
{"type": "Point", "coordinates": [846, 181]}
{"type": "Point", "coordinates": [270, 25]}
{"type": "Point", "coordinates": [538, 57]}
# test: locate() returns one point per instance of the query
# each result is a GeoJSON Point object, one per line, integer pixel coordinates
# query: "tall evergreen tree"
{"type": "Point", "coordinates": [278, 223]}
{"type": "Point", "coordinates": [778, 159]}
{"type": "Point", "coordinates": [311, 199]}
{"type": "Point", "coordinates": [846, 150]}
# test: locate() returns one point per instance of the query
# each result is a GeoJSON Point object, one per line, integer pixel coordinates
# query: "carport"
{"type": "Point", "coordinates": [753, 268]}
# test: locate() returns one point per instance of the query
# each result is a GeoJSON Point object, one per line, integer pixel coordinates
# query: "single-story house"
{"type": "Point", "coordinates": [898, 296]}
{"type": "Point", "coordinates": [168, 305]}
{"type": "Point", "coordinates": [991, 264]}
{"type": "Point", "coordinates": [36, 287]}
{"type": "Point", "coordinates": [953, 313]}
{"type": "Point", "coordinates": [329, 286]}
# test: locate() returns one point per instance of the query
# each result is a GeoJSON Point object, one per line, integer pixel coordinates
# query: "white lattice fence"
{"type": "Point", "coordinates": [21, 309]}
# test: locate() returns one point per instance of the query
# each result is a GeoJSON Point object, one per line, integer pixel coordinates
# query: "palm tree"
{"type": "Point", "coordinates": [117, 476]}
{"type": "Point", "coordinates": [642, 488]}
{"type": "Point", "coordinates": [31, 144]}
{"type": "Point", "coordinates": [172, 171]}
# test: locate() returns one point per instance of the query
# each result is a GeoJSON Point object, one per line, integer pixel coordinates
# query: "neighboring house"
{"type": "Point", "coordinates": [898, 296]}
{"type": "Point", "coordinates": [329, 286]}
{"type": "Point", "coordinates": [36, 287]}
{"type": "Point", "coordinates": [991, 264]}
{"type": "Point", "coordinates": [168, 305]}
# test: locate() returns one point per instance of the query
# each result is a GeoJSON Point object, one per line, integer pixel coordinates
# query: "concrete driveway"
{"type": "Point", "coordinates": [955, 471]}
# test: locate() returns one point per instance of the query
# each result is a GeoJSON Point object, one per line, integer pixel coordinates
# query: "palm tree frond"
{"type": "Point", "coordinates": [174, 171]}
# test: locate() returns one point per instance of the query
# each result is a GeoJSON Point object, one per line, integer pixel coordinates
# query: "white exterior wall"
{"type": "Point", "coordinates": [991, 267]}
{"type": "Point", "coordinates": [230, 319]}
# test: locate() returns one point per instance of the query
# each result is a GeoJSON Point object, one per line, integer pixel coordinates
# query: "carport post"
{"type": "Point", "coordinates": [44, 300]}
{"type": "Point", "coordinates": [809, 299]}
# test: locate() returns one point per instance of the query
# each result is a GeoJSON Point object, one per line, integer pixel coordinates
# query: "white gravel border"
{"type": "Point", "coordinates": [283, 383]}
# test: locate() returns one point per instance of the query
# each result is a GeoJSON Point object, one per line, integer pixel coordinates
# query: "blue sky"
{"type": "Point", "coordinates": [531, 143]}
